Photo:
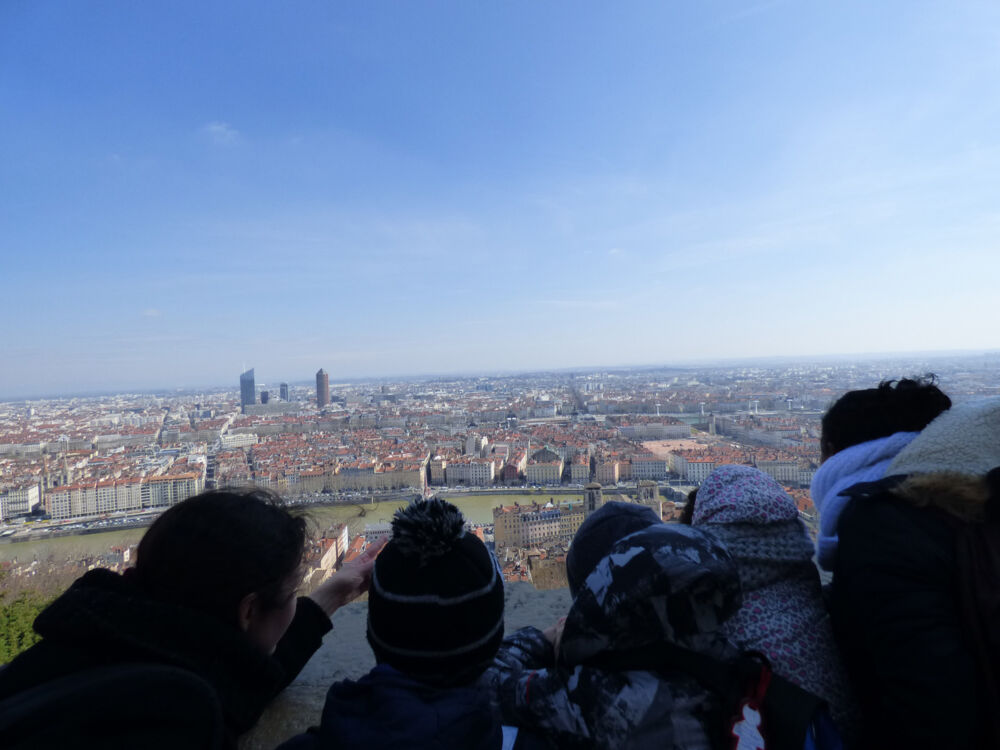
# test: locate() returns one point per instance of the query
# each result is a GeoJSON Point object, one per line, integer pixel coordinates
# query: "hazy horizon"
{"type": "Point", "coordinates": [386, 189]}
{"type": "Point", "coordinates": [950, 356]}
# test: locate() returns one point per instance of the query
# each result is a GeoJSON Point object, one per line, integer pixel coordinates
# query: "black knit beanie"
{"type": "Point", "coordinates": [435, 606]}
{"type": "Point", "coordinates": [598, 534]}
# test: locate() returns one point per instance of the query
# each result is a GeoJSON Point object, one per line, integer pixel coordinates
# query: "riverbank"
{"type": "Point", "coordinates": [477, 507]}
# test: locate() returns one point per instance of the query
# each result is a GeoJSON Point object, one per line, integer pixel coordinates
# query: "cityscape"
{"type": "Point", "coordinates": [515, 374]}
{"type": "Point", "coordinates": [525, 457]}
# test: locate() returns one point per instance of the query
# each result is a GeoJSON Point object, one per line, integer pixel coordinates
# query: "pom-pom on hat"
{"type": "Point", "coordinates": [435, 606]}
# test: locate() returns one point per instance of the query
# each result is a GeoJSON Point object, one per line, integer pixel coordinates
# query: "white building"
{"type": "Point", "coordinates": [481, 472]}
{"type": "Point", "coordinates": [547, 472]}
{"type": "Point", "coordinates": [238, 441]}
{"type": "Point", "coordinates": [698, 469]}
{"type": "Point", "coordinates": [338, 548]}
{"type": "Point", "coordinates": [376, 531]}
{"type": "Point", "coordinates": [781, 471]}
{"type": "Point", "coordinates": [648, 467]}
{"type": "Point", "coordinates": [19, 501]}
{"type": "Point", "coordinates": [117, 496]}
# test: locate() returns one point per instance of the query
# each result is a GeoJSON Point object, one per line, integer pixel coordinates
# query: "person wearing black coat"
{"type": "Point", "coordinates": [906, 597]}
{"type": "Point", "coordinates": [184, 650]}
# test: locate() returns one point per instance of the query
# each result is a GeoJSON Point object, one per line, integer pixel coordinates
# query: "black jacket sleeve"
{"type": "Point", "coordinates": [302, 639]}
{"type": "Point", "coordinates": [895, 612]}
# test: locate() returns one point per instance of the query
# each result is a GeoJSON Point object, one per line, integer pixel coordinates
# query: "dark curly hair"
{"type": "Point", "coordinates": [687, 512]}
{"type": "Point", "coordinates": [906, 405]}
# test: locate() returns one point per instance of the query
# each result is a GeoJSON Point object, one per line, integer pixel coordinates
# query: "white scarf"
{"type": "Point", "coordinates": [864, 462]}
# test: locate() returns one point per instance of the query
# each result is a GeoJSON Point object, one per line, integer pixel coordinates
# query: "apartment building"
{"type": "Point", "coordinates": [782, 471]}
{"type": "Point", "coordinates": [19, 500]}
{"type": "Point", "coordinates": [569, 522]}
{"type": "Point", "coordinates": [470, 471]}
{"type": "Point", "coordinates": [698, 469]}
{"type": "Point", "coordinates": [648, 466]}
{"type": "Point", "coordinates": [376, 531]}
{"type": "Point", "coordinates": [242, 440]}
{"type": "Point", "coordinates": [116, 496]}
{"type": "Point", "coordinates": [337, 538]}
{"type": "Point", "coordinates": [168, 490]}
{"type": "Point", "coordinates": [606, 472]}
{"type": "Point", "coordinates": [437, 472]}
{"type": "Point", "coordinates": [544, 472]}
{"type": "Point", "coordinates": [579, 469]}
{"type": "Point", "coordinates": [529, 525]}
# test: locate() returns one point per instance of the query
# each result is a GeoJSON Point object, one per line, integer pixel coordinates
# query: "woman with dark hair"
{"type": "Point", "coordinates": [185, 649]}
{"type": "Point", "coordinates": [861, 434]}
{"type": "Point", "coordinates": [916, 585]}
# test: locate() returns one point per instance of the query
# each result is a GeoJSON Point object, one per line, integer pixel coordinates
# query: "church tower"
{"type": "Point", "coordinates": [592, 498]}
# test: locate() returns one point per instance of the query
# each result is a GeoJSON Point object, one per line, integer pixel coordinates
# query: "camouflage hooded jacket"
{"type": "Point", "coordinates": [666, 583]}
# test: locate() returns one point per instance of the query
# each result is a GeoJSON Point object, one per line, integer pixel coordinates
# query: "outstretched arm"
{"type": "Point", "coordinates": [312, 615]}
{"type": "Point", "coordinates": [348, 583]}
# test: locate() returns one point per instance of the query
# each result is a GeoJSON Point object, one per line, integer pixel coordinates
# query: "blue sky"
{"type": "Point", "coordinates": [397, 188]}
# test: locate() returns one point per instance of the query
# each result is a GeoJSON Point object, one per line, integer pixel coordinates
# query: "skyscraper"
{"type": "Point", "coordinates": [322, 388]}
{"type": "Point", "coordinates": [283, 391]}
{"type": "Point", "coordinates": [265, 396]}
{"type": "Point", "coordinates": [248, 391]}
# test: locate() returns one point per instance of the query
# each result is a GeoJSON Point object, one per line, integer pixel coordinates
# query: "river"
{"type": "Point", "coordinates": [477, 508]}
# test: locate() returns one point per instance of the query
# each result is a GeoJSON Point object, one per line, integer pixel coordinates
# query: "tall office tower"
{"type": "Point", "coordinates": [322, 388]}
{"type": "Point", "coordinates": [265, 396]}
{"type": "Point", "coordinates": [248, 392]}
{"type": "Point", "coordinates": [283, 391]}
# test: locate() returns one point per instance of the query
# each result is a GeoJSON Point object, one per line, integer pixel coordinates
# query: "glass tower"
{"type": "Point", "coordinates": [248, 392]}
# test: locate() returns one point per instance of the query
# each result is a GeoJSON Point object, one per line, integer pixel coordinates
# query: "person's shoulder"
{"type": "Point", "coordinates": [880, 528]}
{"type": "Point", "coordinates": [889, 506]}
{"type": "Point", "coordinates": [875, 507]}
{"type": "Point", "coordinates": [165, 706]}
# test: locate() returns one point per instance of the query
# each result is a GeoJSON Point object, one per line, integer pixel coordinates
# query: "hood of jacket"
{"type": "Point", "coordinates": [104, 614]}
{"type": "Point", "coordinates": [959, 495]}
{"type": "Point", "coordinates": [947, 466]}
{"type": "Point", "coordinates": [758, 523]}
{"type": "Point", "coordinates": [742, 494]}
{"type": "Point", "coordinates": [388, 709]}
{"type": "Point", "coordinates": [668, 582]}
{"type": "Point", "coordinates": [963, 440]}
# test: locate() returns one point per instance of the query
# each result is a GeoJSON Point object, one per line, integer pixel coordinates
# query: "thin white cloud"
{"type": "Point", "coordinates": [151, 312]}
{"type": "Point", "coordinates": [222, 133]}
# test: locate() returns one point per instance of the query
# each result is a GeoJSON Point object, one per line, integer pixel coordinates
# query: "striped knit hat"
{"type": "Point", "coordinates": [435, 606]}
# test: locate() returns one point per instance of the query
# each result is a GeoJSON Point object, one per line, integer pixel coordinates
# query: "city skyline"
{"type": "Point", "coordinates": [904, 364]}
{"type": "Point", "coordinates": [393, 190]}
{"type": "Point", "coordinates": [135, 452]}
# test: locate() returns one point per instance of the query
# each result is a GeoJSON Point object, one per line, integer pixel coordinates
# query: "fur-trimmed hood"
{"type": "Point", "coordinates": [965, 440]}
{"type": "Point", "coordinates": [965, 497]}
{"type": "Point", "coordinates": [960, 495]}
{"type": "Point", "coordinates": [948, 465]}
